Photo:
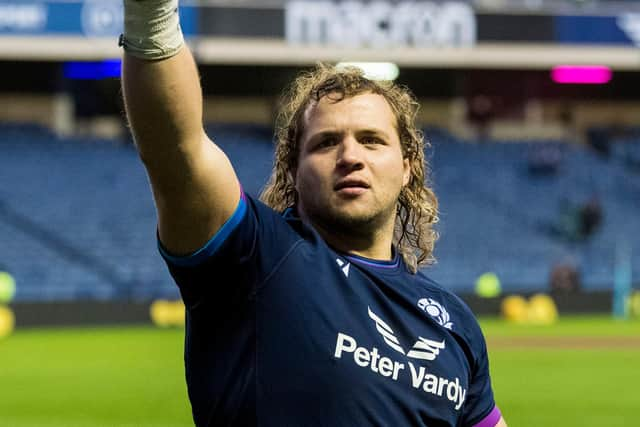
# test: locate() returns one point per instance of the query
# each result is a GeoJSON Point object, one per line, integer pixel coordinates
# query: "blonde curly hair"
{"type": "Point", "coordinates": [417, 209]}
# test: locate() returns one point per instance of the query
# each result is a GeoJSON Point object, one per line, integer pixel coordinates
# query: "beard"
{"type": "Point", "coordinates": [359, 225]}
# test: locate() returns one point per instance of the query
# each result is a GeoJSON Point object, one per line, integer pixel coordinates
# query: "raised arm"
{"type": "Point", "coordinates": [194, 185]}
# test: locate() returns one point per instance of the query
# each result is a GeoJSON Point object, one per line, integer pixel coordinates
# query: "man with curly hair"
{"type": "Point", "coordinates": [306, 308]}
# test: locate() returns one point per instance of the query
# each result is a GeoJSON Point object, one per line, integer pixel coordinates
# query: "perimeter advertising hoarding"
{"type": "Point", "coordinates": [620, 29]}
{"type": "Point", "coordinates": [90, 18]}
{"type": "Point", "coordinates": [380, 23]}
{"type": "Point", "coordinates": [103, 18]}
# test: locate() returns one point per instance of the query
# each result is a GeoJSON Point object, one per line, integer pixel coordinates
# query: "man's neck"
{"type": "Point", "coordinates": [380, 252]}
{"type": "Point", "coordinates": [374, 245]}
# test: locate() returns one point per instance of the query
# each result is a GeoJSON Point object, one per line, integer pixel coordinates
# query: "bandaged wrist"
{"type": "Point", "coordinates": [151, 28]}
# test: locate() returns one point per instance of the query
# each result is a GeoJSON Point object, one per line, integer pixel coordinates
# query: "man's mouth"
{"type": "Point", "coordinates": [350, 184]}
{"type": "Point", "coordinates": [351, 187]}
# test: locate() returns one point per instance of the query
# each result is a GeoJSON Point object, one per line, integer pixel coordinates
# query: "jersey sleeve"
{"type": "Point", "coordinates": [236, 259]}
{"type": "Point", "coordinates": [481, 409]}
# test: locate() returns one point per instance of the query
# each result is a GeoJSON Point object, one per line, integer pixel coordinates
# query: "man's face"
{"type": "Point", "coordinates": [350, 166]}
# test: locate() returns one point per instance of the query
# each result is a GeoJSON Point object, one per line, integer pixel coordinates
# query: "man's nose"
{"type": "Point", "coordinates": [350, 153]}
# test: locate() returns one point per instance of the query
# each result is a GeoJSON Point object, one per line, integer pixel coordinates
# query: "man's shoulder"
{"type": "Point", "coordinates": [452, 308]}
{"type": "Point", "coordinates": [446, 294]}
{"type": "Point", "coordinates": [287, 221]}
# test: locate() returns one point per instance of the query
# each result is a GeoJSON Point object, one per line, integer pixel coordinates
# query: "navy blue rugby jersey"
{"type": "Point", "coordinates": [283, 330]}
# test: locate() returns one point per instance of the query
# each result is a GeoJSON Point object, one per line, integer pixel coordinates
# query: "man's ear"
{"type": "Point", "coordinates": [406, 175]}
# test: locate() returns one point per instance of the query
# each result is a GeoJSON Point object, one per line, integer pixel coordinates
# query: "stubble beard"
{"type": "Point", "coordinates": [361, 226]}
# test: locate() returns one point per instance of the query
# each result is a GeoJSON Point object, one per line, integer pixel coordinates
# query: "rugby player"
{"type": "Point", "coordinates": [307, 308]}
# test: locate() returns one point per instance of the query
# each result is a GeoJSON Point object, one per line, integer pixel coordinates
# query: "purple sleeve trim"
{"type": "Point", "coordinates": [490, 420]}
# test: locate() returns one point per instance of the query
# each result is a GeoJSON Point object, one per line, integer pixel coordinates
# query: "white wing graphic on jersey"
{"type": "Point", "coordinates": [343, 266]}
{"type": "Point", "coordinates": [386, 332]}
{"type": "Point", "coordinates": [426, 349]}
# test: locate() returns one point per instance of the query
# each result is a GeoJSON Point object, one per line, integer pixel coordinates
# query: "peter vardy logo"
{"type": "Point", "coordinates": [423, 349]}
{"type": "Point", "coordinates": [434, 309]}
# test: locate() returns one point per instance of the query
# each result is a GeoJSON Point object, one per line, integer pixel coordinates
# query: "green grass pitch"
{"type": "Point", "coordinates": [587, 375]}
{"type": "Point", "coordinates": [133, 376]}
{"type": "Point", "coordinates": [103, 377]}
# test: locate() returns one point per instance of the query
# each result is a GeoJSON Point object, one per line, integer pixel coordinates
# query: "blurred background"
{"type": "Point", "coordinates": [532, 112]}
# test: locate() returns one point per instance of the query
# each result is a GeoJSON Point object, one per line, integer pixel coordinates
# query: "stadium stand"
{"type": "Point", "coordinates": [496, 216]}
{"type": "Point", "coordinates": [77, 219]}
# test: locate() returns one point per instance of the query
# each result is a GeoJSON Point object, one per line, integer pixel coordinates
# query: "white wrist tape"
{"type": "Point", "coordinates": [151, 28]}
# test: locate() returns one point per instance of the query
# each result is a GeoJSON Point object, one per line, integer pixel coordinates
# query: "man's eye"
{"type": "Point", "coordinates": [371, 140]}
{"type": "Point", "coordinates": [326, 142]}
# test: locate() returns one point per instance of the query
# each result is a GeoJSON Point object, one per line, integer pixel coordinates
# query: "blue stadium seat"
{"type": "Point", "coordinates": [77, 219]}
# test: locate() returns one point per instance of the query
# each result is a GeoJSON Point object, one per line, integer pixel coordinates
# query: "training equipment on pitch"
{"type": "Point", "coordinates": [7, 287]}
{"type": "Point", "coordinates": [542, 310]}
{"type": "Point", "coordinates": [488, 285]}
{"type": "Point", "coordinates": [7, 322]}
{"type": "Point", "coordinates": [514, 309]}
{"type": "Point", "coordinates": [166, 314]}
{"type": "Point", "coordinates": [151, 29]}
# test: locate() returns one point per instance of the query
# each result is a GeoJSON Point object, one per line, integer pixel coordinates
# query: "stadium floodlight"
{"type": "Point", "coordinates": [581, 74]}
{"type": "Point", "coordinates": [375, 70]}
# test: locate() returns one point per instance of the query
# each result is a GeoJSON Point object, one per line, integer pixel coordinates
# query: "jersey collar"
{"type": "Point", "coordinates": [387, 265]}
{"type": "Point", "coordinates": [291, 212]}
